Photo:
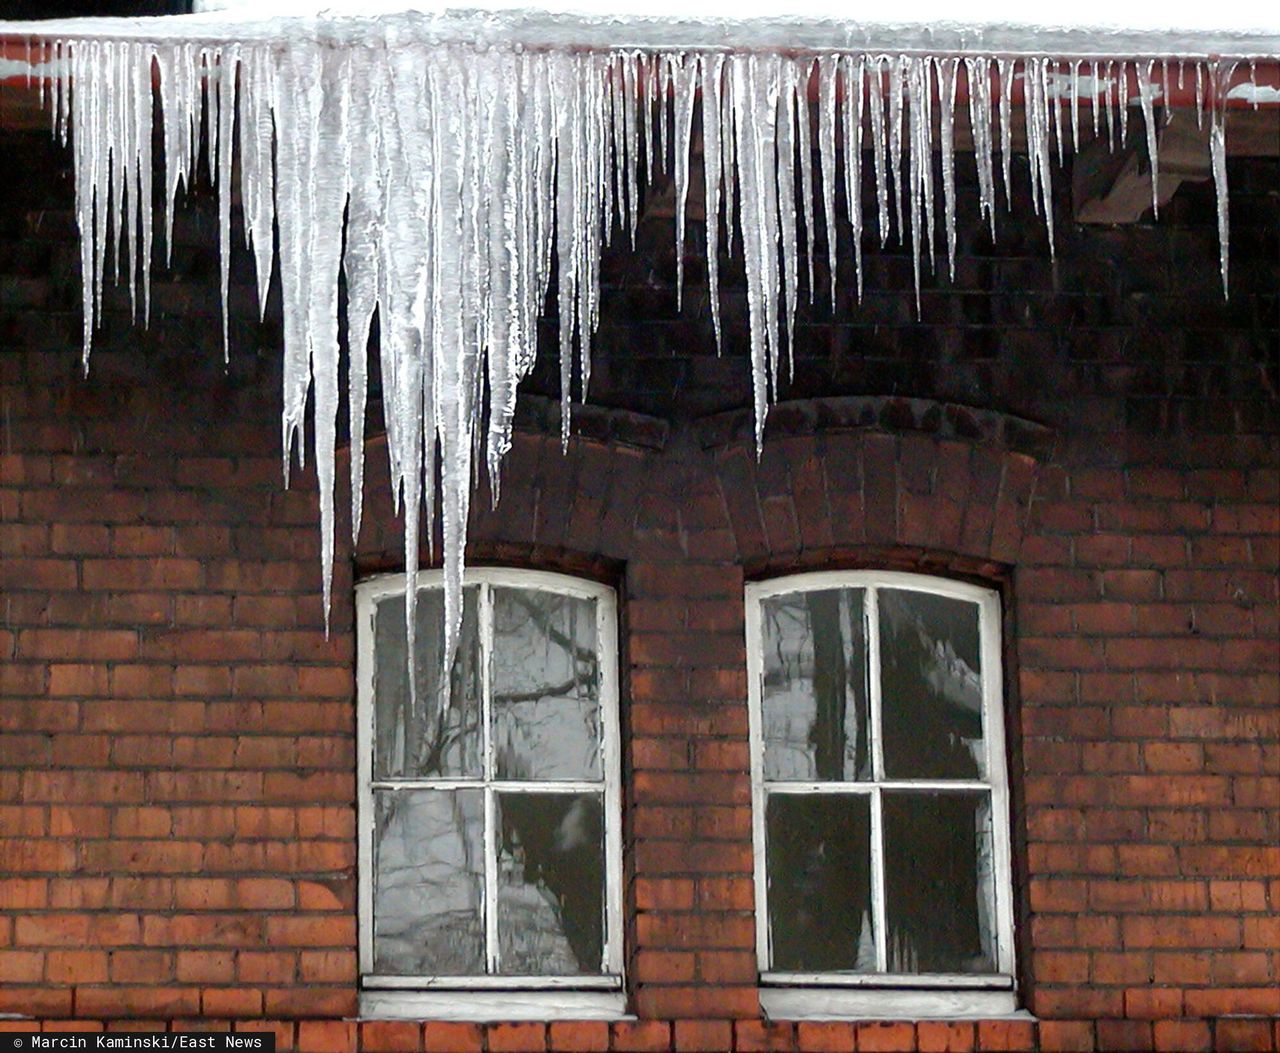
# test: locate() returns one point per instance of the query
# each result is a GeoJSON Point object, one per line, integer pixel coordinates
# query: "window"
{"type": "Point", "coordinates": [881, 810]}
{"type": "Point", "coordinates": [490, 846]}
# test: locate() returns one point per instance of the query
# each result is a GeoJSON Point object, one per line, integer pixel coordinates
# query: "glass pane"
{"type": "Point", "coordinates": [546, 686]}
{"type": "Point", "coordinates": [550, 884]}
{"type": "Point", "coordinates": [438, 733]}
{"type": "Point", "coordinates": [931, 687]}
{"type": "Point", "coordinates": [819, 863]}
{"type": "Point", "coordinates": [938, 875]}
{"type": "Point", "coordinates": [815, 686]}
{"type": "Point", "coordinates": [428, 895]}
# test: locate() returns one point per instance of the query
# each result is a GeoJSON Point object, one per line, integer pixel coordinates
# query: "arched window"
{"type": "Point", "coordinates": [490, 845]}
{"type": "Point", "coordinates": [880, 796]}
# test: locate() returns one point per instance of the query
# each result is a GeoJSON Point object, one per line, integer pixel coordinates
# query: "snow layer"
{"type": "Point", "coordinates": [463, 169]}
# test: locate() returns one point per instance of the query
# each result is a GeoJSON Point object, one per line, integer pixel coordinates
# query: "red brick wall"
{"type": "Point", "coordinates": [176, 731]}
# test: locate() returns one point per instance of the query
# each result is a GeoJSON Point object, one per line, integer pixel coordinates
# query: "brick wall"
{"type": "Point", "coordinates": [176, 731]}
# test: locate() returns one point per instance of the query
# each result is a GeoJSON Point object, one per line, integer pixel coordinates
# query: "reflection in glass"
{"type": "Point", "coordinates": [550, 884]}
{"type": "Point", "coordinates": [819, 863]}
{"type": "Point", "coordinates": [546, 686]}
{"type": "Point", "coordinates": [429, 882]}
{"type": "Point", "coordinates": [815, 686]}
{"type": "Point", "coordinates": [931, 687]}
{"type": "Point", "coordinates": [938, 876]}
{"type": "Point", "coordinates": [436, 734]}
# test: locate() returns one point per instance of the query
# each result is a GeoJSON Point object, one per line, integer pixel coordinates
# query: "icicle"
{"type": "Point", "coordinates": [827, 67]}
{"type": "Point", "coordinates": [920, 156]}
{"type": "Point", "coordinates": [621, 133]}
{"type": "Point", "coordinates": [257, 173]}
{"type": "Point", "coordinates": [686, 83]}
{"type": "Point", "coordinates": [895, 140]}
{"type": "Point", "coordinates": [1056, 103]}
{"type": "Point", "coordinates": [666, 104]}
{"type": "Point", "coordinates": [878, 146]}
{"type": "Point", "coordinates": [1199, 94]}
{"type": "Point", "coordinates": [1094, 102]}
{"type": "Point", "coordinates": [142, 103]}
{"type": "Point", "coordinates": [804, 74]}
{"type": "Point", "coordinates": [978, 71]}
{"type": "Point", "coordinates": [1124, 103]}
{"type": "Point", "coordinates": [1075, 105]}
{"type": "Point", "coordinates": [361, 261]}
{"type": "Point", "coordinates": [786, 180]}
{"type": "Point", "coordinates": [1036, 109]}
{"type": "Point", "coordinates": [1108, 94]}
{"type": "Point", "coordinates": [947, 71]}
{"type": "Point", "coordinates": [447, 182]}
{"type": "Point", "coordinates": [1145, 93]}
{"type": "Point", "coordinates": [1005, 70]}
{"type": "Point", "coordinates": [753, 82]}
{"type": "Point", "coordinates": [729, 164]}
{"type": "Point", "coordinates": [225, 74]}
{"type": "Point", "coordinates": [656, 74]}
{"type": "Point", "coordinates": [712, 67]}
{"type": "Point", "coordinates": [852, 69]}
{"type": "Point", "coordinates": [631, 156]}
{"type": "Point", "coordinates": [925, 77]}
{"type": "Point", "coordinates": [1218, 158]}
{"type": "Point", "coordinates": [63, 59]}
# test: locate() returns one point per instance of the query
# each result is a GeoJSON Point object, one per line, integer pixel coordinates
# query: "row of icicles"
{"type": "Point", "coordinates": [462, 172]}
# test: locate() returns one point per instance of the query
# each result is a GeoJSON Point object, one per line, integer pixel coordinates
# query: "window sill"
{"type": "Point", "coordinates": [844, 1003]}
{"type": "Point", "coordinates": [493, 1005]}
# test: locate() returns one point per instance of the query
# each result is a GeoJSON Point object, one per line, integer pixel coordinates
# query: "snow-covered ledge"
{"type": "Point", "coordinates": [468, 148]}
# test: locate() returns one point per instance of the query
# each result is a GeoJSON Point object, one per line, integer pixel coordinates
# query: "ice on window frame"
{"type": "Point", "coordinates": [460, 167]}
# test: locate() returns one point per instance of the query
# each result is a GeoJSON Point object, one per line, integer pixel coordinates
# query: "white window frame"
{"type": "Point", "coordinates": [492, 997]}
{"type": "Point", "coordinates": [923, 995]}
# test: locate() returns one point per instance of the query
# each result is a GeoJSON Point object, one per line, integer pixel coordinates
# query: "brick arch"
{"type": "Point", "coordinates": [878, 474]}
{"type": "Point", "coordinates": [570, 507]}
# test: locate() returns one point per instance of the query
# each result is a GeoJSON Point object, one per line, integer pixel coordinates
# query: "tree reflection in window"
{"type": "Point", "coordinates": [490, 789]}
{"type": "Point", "coordinates": [881, 785]}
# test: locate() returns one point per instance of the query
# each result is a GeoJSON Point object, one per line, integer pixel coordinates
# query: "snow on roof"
{"type": "Point", "coordinates": [1084, 29]}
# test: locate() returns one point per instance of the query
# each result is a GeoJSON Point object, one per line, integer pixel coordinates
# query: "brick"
{"type": "Point", "coordinates": [390, 1036]}
{"type": "Point", "coordinates": [702, 1036]}
{"type": "Point", "coordinates": [939, 1036]}
{"type": "Point", "coordinates": [1066, 1036]}
{"type": "Point", "coordinates": [1238, 1036]}
{"type": "Point", "coordinates": [885, 1037]}
{"type": "Point", "coordinates": [641, 1036]}
{"type": "Point", "coordinates": [517, 1038]}
{"type": "Point", "coordinates": [824, 1036]}
{"type": "Point", "coordinates": [326, 1036]}
{"type": "Point", "coordinates": [1182, 1036]}
{"type": "Point", "coordinates": [445, 1037]}
{"type": "Point", "coordinates": [581, 1036]}
{"type": "Point", "coordinates": [1125, 1035]}
{"type": "Point", "coordinates": [764, 1036]}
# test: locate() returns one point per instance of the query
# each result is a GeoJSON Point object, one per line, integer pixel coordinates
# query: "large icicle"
{"type": "Point", "coordinates": [448, 182]}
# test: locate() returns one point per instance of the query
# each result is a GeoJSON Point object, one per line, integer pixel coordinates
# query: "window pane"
{"type": "Point", "coordinates": [938, 882]}
{"type": "Point", "coordinates": [815, 686]}
{"type": "Point", "coordinates": [819, 868]}
{"type": "Point", "coordinates": [438, 733]}
{"type": "Point", "coordinates": [550, 883]}
{"type": "Point", "coordinates": [429, 882]}
{"type": "Point", "coordinates": [931, 687]}
{"type": "Point", "coordinates": [546, 686]}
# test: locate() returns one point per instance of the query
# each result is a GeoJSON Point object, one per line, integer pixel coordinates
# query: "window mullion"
{"type": "Point", "coordinates": [878, 910]}
{"type": "Point", "coordinates": [873, 682]}
{"type": "Point", "coordinates": [490, 805]}
{"type": "Point", "coordinates": [879, 914]}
